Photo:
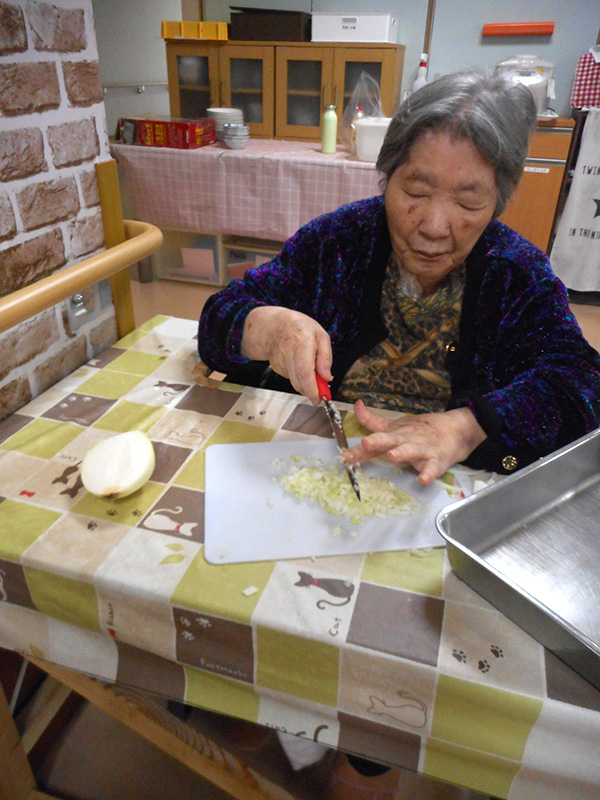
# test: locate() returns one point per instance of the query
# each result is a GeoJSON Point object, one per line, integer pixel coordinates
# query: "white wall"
{"type": "Point", "coordinates": [131, 49]}
{"type": "Point", "coordinates": [457, 41]}
{"type": "Point", "coordinates": [411, 14]}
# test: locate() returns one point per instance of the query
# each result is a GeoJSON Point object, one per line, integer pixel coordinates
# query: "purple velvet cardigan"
{"type": "Point", "coordinates": [520, 363]}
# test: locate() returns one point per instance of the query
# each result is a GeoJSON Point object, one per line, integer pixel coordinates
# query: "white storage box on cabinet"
{"type": "Point", "coordinates": [241, 254]}
{"type": "Point", "coordinates": [354, 28]}
{"type": "Point", "coordinates": [189, 256]}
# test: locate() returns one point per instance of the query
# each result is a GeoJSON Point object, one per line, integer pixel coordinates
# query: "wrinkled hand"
{"type": "Point", "coordinates": [294, 344]}
{"type": "Point", "coordinates": [431, 443]}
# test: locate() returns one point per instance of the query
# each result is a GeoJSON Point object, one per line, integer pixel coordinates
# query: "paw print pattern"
{"type": "Point", "coordinates": [250, 417]}
{"type": "Point", "coordinates": [483, 665]}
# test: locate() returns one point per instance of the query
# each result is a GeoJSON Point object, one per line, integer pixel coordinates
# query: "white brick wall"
{"type": "Point", "coordinates": [52, 131]}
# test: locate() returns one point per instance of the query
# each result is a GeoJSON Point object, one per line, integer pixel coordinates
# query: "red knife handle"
{"type": "Point", "coordinates": [323, 386]}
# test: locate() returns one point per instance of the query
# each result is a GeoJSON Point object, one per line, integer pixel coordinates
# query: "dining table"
{"type": "Point", "coordinates": [267, 190]}
{"type": "Point", "coordinates": [383, 653]}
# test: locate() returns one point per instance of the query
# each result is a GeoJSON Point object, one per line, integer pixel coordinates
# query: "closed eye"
{"type": "Point", "coordinates": [471, 206]}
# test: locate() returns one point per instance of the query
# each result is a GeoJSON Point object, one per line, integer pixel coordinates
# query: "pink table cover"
{"type": "Point", "coordinates": [267, 190]}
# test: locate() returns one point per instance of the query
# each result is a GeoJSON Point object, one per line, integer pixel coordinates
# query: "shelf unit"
{"type": "Point", "coordinates": [212, 259]}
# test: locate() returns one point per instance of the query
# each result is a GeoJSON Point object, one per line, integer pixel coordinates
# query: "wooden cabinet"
{"type": "Point", "coordinates": [311, 76]}
{"type": "Point", "coordinates": [246, 75]}
{"type": "Point", "coordinates": [202, 75]}
{"type": "Point", "coordinates": [303, 89]}
{"type": "Point", "coordinates": [531, 210]}
{"type": "Point", "coordinates": [282, 88]}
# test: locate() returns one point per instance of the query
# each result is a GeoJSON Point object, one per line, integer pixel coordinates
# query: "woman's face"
{"type": "Point", "coordinates": [438, 203]}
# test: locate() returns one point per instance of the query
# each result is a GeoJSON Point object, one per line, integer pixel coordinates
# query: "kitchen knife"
{"type": "Point", "coordinates": [335, 420]}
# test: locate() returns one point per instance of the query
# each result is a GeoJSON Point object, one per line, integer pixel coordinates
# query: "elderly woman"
{"type": "Point", "coordinates": [420, 300]}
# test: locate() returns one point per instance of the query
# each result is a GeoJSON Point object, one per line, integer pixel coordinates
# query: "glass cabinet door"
{"type": "Point", "coordinates": [304, 88]}
{"type": "Point", "coordinates": [193, 79]}
{"type": "Point", "coordinates": [246, 81]}
{"type": "Point", "coordinates": [382, 65]}
{"type": "Point", "coordinates": [353, 72]}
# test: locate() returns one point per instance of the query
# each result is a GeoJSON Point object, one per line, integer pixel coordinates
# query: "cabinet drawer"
{"type": "Point", "coordinates": [550, 144]}
{"type": "Point", "coordinates": [531, 209]}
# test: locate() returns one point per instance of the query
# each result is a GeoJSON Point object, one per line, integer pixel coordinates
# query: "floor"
{"type": "Point", "coordinates": [588, 317]}
{"type": "Point", "coordinates": [125, 767]}
{"type": "Point", "coordinates": [180, 299]}
{"type": "Point", "coordinates": [175, 298]}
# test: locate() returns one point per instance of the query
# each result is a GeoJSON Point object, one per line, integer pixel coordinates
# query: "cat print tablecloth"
{"type": "Point", "coordinates": [386, 654]}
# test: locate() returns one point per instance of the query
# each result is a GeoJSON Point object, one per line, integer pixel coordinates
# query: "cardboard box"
{"type": "Point", "coordinates": [354, 28]}
{"type": "Point", "coordinates": [155, 131]}
{"type": "Point", "coordinates": [194, 30]}
{"type": "Point", "coordinates": [260, 24]}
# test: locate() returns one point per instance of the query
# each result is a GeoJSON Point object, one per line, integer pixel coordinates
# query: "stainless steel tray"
{"type": "Point", "coordinates": [530, 544]}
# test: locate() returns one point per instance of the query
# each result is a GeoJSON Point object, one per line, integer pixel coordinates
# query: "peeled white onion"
{"type": "Point", "coordinates": [118, 466]}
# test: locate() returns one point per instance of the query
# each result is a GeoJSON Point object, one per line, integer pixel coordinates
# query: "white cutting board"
{"type": "Point", "coordinates": [249, 516]}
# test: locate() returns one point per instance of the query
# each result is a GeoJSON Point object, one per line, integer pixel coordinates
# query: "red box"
{"type": "Point", "coordinates": [183, 134]}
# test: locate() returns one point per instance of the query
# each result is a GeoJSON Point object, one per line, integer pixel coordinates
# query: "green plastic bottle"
{"type": "Point", "coordinates": [329, 130]}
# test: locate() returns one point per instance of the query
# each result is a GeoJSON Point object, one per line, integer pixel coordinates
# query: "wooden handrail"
{"type": "Point", "coordinates": [142, 240]}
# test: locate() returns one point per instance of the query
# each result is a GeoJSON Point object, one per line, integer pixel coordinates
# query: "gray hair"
{"type": "Point", "coordinates": [488, 109]}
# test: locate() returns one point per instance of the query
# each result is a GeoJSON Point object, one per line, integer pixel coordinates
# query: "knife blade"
{"type": "Point", "coordinates": [335, 420]}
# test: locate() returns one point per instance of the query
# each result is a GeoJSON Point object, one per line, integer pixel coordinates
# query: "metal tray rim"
{"type": "Point", "coordinates": [470, 563]}
{"type": "Point", "coordinates": [504, 508]}
{"type": "Point", "coordinates": [556, 618]}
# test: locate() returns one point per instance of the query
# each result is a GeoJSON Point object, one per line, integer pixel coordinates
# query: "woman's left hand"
{"type": "Point", "coordinates": [431, 443]}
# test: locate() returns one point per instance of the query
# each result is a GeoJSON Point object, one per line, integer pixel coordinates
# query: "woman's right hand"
{"type": "Point", "coordinates": [294, 344]}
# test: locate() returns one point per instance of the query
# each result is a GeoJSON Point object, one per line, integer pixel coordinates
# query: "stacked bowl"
{"type": "Point", "coordinates": [223, 115]}
{"type": "Point", "coordinates": [235, 135]}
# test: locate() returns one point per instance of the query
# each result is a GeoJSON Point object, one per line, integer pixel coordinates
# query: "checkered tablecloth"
{"type": "Point", "coordinates": [267, 190]}
{"type": "Point", "coordinates": [407, 665]}
{"type": "Point", "coordinates": [586, 85]}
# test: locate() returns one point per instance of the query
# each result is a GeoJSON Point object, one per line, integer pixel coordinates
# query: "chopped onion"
{"type": "Point", "coordinates": [118, 466]}
{"type": "Point", "coordinates": [330, 487]}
